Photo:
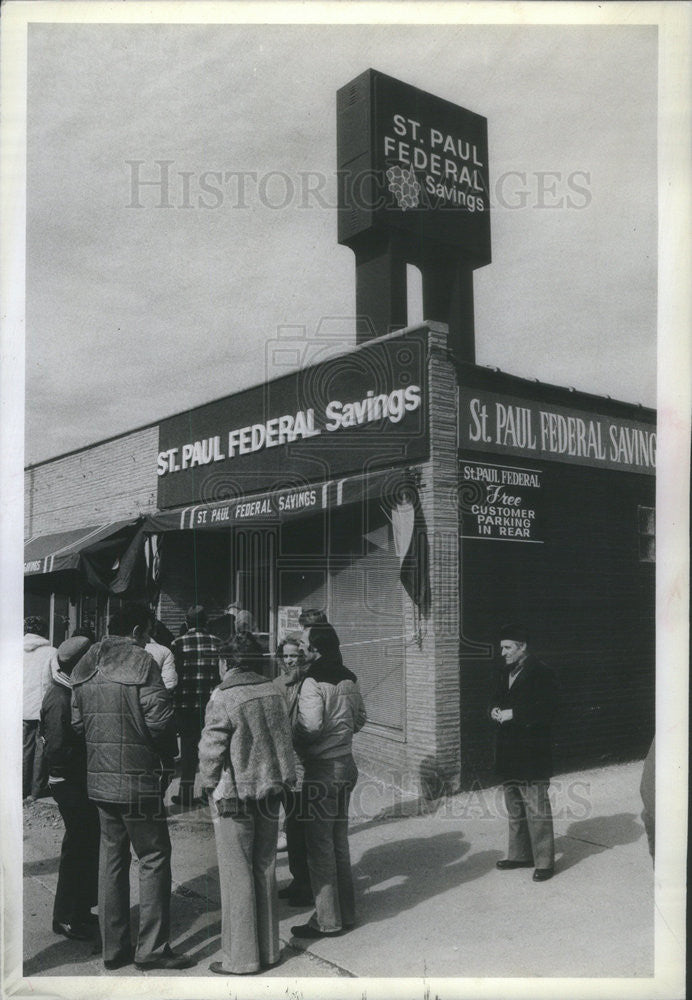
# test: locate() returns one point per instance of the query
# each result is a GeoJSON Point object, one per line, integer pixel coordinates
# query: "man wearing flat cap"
{"type": "Point", "coordinates": [66, 758]}
{"type": "Point", "coordinates": [522, 708]}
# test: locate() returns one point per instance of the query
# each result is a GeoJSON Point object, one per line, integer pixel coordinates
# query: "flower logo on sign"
{"type": "Point", "coordinates": [404, 187]}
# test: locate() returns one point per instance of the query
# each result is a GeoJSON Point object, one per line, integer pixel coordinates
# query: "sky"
{"type": "Point", "coordinates": [142, 302]}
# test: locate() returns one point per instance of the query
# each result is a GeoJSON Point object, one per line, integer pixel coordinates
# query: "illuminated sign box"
{"type": "Point", "coordinates": [352, 413]}
{"type": "Point", "coordinates": [412, 163]}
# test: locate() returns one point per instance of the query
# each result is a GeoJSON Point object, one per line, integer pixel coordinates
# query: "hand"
{"type": "Point", "coordinates": [505, 715]}
{"type": "Point", "coordinates": [229, 807]}
{"type": "Point", "coordinates": [495, 714]}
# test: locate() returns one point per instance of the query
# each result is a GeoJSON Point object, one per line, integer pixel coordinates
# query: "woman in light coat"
{"type": "Point", "coordinates": [246, 763]}
{"type": "Point", "coordinates": [330, 711]}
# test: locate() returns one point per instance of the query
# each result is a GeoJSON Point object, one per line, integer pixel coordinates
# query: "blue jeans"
{"type": "Point", "coordinates": [327, 788]}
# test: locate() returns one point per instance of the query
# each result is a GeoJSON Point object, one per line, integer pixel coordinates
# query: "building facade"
{"type": "Point", "coordinates": [421, 502]}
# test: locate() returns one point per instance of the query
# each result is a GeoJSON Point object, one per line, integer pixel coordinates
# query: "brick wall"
{"type": "Point", "coordinates": [427, 760]}
{"type": "Point", "coordinates": [104, 482]}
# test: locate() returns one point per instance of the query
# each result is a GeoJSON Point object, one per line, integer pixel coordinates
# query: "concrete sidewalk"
{"type": "Point", "coordinates": [430, 900]}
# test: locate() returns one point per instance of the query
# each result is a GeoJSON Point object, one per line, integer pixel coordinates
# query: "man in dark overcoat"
{"type": "Point", "coordinates": [522, 707]}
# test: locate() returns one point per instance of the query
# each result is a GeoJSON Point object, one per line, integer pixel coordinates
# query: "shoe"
{"type": "Point", "coordinates": [119, 962]}
{"type": "Point", "coordinates": [76, 932]}
{"type": "Point", "coordinates": [218, 969]}
{"type": "Point", "coordinates": [308, 931]}
{"type": "Point", "coordinates": [300, 899]}
{"type": "Point", "coordinates": [169, 959]}
{"type": "Point", "coordinates": [507, 864]}
{"type": "Point", "coordinates": [543, 874]}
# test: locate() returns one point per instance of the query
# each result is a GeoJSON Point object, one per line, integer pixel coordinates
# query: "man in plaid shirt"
{"type": "Point", "coordinates": [196, 656]}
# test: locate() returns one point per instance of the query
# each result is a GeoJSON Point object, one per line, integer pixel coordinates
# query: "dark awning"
{"type": "Point", "coordinates": [281, 505]}
{"type": "Point", "coordinates": [62, 550]}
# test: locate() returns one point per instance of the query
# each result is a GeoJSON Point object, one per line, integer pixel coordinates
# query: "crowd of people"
{"type": "Point", "coordinates": [105, 724]}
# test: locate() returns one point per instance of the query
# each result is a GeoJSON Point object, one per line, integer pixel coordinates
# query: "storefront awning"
{"type": "Point", "coordinates": [64, 549]}
{"type": "Point", "coordinates": [274, 507]}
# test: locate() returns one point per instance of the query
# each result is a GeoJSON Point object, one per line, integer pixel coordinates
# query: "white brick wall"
{"type": "Point", "coordinates": [104, 482]}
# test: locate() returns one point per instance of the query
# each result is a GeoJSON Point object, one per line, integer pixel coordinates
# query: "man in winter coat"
{"type": "Point", "coordinates": [163, 656]}
{"type": "Point", "coordinates": [120, 704]}
{"type": "Point", "coordinates": [38, 653]}
{"type": "Point", "coordinates": [246, 764]}
{"type": "Point", "coordinates": [65, 757]}
{"type": "Point", "coordinates": [522, 707]}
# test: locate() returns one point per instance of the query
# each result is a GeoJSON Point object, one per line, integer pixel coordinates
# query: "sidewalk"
{"type": "Point", "coordinates": [430, 900]}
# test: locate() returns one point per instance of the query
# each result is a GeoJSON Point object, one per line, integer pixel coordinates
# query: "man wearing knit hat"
{"type": "Point", "coordinates": [522, 707]}
{"type": "Point", "coordinates": [65, 757]}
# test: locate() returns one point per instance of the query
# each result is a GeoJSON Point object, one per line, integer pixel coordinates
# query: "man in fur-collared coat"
{"type": "Point", "coordinates": [522, 706]}
{"type": "Point", "coordinates": [246, 763]}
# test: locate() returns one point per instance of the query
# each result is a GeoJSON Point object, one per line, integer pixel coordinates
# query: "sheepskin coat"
{"type": "Point", "coordinates": [246, 751]}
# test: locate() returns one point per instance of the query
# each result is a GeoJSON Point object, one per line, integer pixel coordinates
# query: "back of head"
{"type": "Point", "coordinates": [242, 651]}
{"type": "Point", "coordinates": [312, 616]}
{"type": "Point", "coordinates": [127, 618]}
{"type": "Point", "coordinates": [196, 616]}
{"type": "Point", "coordinates": [71, 651]}
{"type": "Point", "coordinates": [84, 633]}
{"type": "Point", "coordinates": [324, 639]}
{"type": "Point", "coordinates": [35, 625]}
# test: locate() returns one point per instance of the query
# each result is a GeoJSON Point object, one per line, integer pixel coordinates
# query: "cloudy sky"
{"type": "Point", "coordinates": [142, 301]}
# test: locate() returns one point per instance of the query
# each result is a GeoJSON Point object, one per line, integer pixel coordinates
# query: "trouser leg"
{"type": "Point", "coordinates": [29, 733]}
{"type": "Point", "coordinates": [320, 803]}
{"type": "Point", "coordinates": [39, 776]}
{"type": "Point", "coordinates": [295, 842]}
{"type": "Point", "coordinates": [148, 830]}
{"type": "Point", "coordinates": [519, 846]}
{"type": "Point", "coordinates": [77, 885]}
{"type": "Point", "coordinates": [539, 820]}
{"type": "Point", "coordinates": [342, 856]}
{"type": "Point", "coordinates": [114, 881]}
{"type": "Point", "coordinates": [189, 741]}
{"type": "Point", "coordinates": [266, 813]}
{"type": "Point", "coordinates": [234, 846]}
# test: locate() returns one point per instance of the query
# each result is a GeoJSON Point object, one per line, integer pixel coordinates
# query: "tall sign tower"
{"type": "Point", "coordinates": [413, 189]}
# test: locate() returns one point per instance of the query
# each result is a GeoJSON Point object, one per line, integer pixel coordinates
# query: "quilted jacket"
{"type": "Point", "coordinates": [126, 714]}
{"type": "Point", "coordinates": [245, 751]}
